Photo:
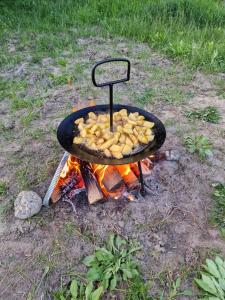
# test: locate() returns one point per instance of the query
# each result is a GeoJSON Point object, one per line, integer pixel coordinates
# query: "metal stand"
{"type": "Point", "coordinates": [141, 179]}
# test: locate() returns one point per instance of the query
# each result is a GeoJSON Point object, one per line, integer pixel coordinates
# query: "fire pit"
{"type": "Point", "coordinates": [103, 177]}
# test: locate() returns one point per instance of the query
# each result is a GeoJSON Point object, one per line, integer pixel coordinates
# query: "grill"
{"type": "Point", "coordinates": [67, 129]}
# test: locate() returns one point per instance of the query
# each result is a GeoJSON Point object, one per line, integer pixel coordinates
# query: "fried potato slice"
{"type": "Point", "coordinates": [78, 121]}
{"type": "Point", "coordinates": [117, 155]}
{"type": "Point", "coordinates": [126, 149]}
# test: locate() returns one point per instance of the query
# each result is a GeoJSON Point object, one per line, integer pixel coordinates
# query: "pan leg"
{"type": "Point", "coordinates": [141, 179]}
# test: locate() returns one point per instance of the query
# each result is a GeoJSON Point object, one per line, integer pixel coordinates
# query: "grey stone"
{"type": "Point", "coordinates": [172, 155]}
{"type": "Point", "coordinates": [27, 204]}
{"type": "Point", "coordinates": [9, 124]}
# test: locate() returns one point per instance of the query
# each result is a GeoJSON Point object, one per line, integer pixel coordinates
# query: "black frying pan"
{"type": "Point", "coordinates": [67, 130]}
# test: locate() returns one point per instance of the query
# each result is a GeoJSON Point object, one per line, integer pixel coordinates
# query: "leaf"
{"type": "Point", "coordinates": [105, 283]}
{"type": "Point", "coordinates": [93, 274]}
{"type": "Point", "coordinates": [210, 283]}
{"type": "Point", "coordinates": [212, 268]}
{"type": "Point", "coordinates": [119, 242]}
{"type": "Point", "coordinates": [203, 285]}
{"type": "Point", "coordinates": [88, 290]}
{"type": "Point", "coordinates": [178, 282]}
{"type": "Point", "coordinates": [113, 283]}
{"type": "Point", "coordinates": [74, 289]}
{"type": "Point", "coordinates": [127, 273]}
{"type": "Point", "coordinates": [88, 260]}
{"type": "Point", "coordinates": [110, 242]}
{"type": "Point", "coordinates": [187, 293]}
{"type": "Point", "coordinates": [97, 293]}
{"type": "Point", "coordinates": [103, 255]}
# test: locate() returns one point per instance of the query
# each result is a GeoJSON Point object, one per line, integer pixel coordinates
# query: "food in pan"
{"type": "Point", "coordinates": [130, 130]}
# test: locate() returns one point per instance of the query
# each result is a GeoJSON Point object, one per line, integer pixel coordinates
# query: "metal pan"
{"type": "Point", "coordinates": [67, 130]}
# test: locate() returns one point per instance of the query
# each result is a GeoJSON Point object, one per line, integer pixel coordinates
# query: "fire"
{"type": "Point", "coordinates": [100, 181]}
{"type": "Point", "coordinates": [71, 164]}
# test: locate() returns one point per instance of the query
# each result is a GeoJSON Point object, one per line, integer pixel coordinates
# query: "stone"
{"type": "Point", "coordinates": [27, 204]}
{"type": "Point", "coordinates": [172, 155]}
{"type": "Point", "coordinates": [8, 124]}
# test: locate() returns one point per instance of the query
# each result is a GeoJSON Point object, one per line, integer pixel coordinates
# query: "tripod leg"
{"type": "Point", "coordinates": [141, 179]}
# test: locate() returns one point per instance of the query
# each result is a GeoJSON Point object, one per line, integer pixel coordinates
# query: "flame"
{"type": "Point", "coordinates": [71, 164]}
{"type": "Point", "coordinates": [99, 172]}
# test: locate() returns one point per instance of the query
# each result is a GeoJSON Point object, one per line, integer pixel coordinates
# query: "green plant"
{"type": "Point", "coordinates": [209, 114]}
{"type": "Point", "coordinates": [137, 289]}
{"type": "Point", "coordinates": [113, 263]}
{"type": "Point", "coordinates": [218, 211]}
{"type": "Point", "coordinates": [79, 291]}
{"type": "Point", "coordinates": [212, 282]}
{"type": "Point", "coordinates": [174, 290]}
{"type": "Point", "coordinates": [3, 188]}
{"type": "Point", "coordinates": [199, 144]}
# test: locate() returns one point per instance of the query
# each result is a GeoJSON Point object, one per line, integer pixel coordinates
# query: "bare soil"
{"type": "Point", "coordinates": [171, 224]}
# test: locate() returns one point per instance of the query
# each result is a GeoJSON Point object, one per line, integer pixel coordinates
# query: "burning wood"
{"type": "Point", "coordinates": [94, 192]}
{"type": "Point", "coordinates": [128, 176]}
{"type": "Point", "coordinates": [70, 180]}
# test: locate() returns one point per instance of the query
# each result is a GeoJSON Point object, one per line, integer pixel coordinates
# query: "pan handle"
{"type": "Point", "coordinates": [127, 78]}
{"type": "Point", "coordinates": [110, 83]}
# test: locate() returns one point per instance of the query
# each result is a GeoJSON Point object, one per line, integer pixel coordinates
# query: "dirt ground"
{"type": "Point", "coordinates": [171, 225]}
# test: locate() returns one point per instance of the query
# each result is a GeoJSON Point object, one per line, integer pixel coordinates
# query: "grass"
{"type": "Point", "coordinates": [171, 95]}
{"type": "Point", "coordinates": [191, 31]}
{"type": "Point", "coordinates": [208, 114]}
{"type": "Point", "coordinates": [218, 210]}
{"type": "Point", "coordinates": [220, 84]}
{"type": "Point", "coordinates": [3, 188]}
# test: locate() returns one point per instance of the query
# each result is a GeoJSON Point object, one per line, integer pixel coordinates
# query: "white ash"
{"type": "Point", "coordinates": [27, 204]}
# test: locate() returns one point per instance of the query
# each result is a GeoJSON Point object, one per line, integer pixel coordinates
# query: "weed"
{"type": "Point", "coordinates": [199, 144]}
{"type": "Point", "coordinates": [137, 289]}
{"type": "Point", "coordinates": [209, 114]}
{"type": "Point", "coordinates": [3, 188]}
{"type": "Point", "coordinates": [112, 263]}
{"type": "Point", "coordinates": [212, 279]}
{"type": "Point", "coordinates": [79, 291]}
{"type": "Point", "coordinates": [174, 290]}
{"type": "Point", "coordinates": [218, 211]}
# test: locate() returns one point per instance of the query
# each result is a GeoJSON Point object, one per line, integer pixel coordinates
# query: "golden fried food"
{"type": "Point", "coordinates": [130, 130]}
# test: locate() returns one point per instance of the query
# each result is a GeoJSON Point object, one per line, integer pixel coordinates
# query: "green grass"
{"type": "Point", "coordinates": [220, 84]}
{"type": "Point", "coordinates": [171, 95]}
{"type": "Point", "coordinates": [208, 114]}
{"type": "Point", "coordinates": [218, 210]}
{"type": "Point", "coordinates": [3, 188]}
{"type": "Point", "coordinates": [191, 31]}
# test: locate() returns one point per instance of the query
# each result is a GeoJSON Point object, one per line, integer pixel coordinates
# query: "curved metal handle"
{"type": "Point", "coordinates": [127, 78]}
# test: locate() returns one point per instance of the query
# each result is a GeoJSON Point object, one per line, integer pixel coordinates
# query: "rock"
{"type": "Point", "coordinates": [27, 204]}
{"type": "Point", "coordinates": [9, 124]}
{"type": "Point", "coordinates": [172, 155]}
